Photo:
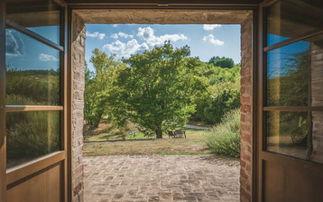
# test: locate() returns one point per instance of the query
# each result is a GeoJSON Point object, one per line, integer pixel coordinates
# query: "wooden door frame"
{"type": "Point", "coordinates": [261, 109]}
{"type": "Point", "coordinates": [13, 176]}
{"type": "Point", "coordinates": [67, 141]}
{"type": "Point", "coordinates": [72, 6]}
{"type": "Point", "coordinates": [3, 155]}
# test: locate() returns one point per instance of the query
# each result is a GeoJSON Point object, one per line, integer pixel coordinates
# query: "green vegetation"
{"type": "Point", "coordinates": [109, 132]}
{"type": "Point", "coordinates": [32, 134]}
{"type": "Point", "coordinates": [159, 90]}
{"type": "Point", "coordinates": [155, 92]}
{"type": "Point", "coordinates": [192, 145]}
{"type": "Point", "coordinates": [222, 62]}
{"type": "Point", "coordinates": [224, 139]}
{"type": "Point", "coordinates": [32, 87]}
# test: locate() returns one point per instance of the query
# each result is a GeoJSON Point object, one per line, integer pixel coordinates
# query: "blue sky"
{"type": "Point", "coordinates": [123, 40]}
{"type": "Point", "coordinates": [26, 53]}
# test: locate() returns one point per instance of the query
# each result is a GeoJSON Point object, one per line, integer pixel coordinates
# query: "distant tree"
{"type": "Point", "coordinates": [222, 62]}
{"type": "Point", "coordinates": [156, 90]}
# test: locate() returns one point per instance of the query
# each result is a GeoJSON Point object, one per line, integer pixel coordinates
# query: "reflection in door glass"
{"type": "Point", "coordinates": [43, 19]}
{"type": "Point", "coordinates": [284, 19]}
{"type": "Point", "coordinates": [33, 71]}
{"type": "Point", "coordinates": [287, 133]}
{"type": "Point", "coordinates": [31, 135]}
{"type": "Point", "coordinates": [288, 74]}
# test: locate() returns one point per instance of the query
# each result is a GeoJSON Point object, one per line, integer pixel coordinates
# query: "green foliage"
{"type": "Point", "coordinates": [159, 90]}
{"type": "Point", "coordinates": [155, 91]}
{"type": "Point", "coordinates": [98, 84]}
{"type": "Point", "coordinates": [32, 134]}
{"type": "Point", "coordinates": [224, 139]}
{"type": "Point", "coordinates": [32, 87]}
{"type": "Point", "coordinates": [221, 96]}
{"type": "Point", "coordinates": [221, 62]}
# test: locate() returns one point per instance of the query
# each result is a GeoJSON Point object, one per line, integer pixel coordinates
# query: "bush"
{"type": "Point", "coordinates": [221, 99]}
{"type": "Point", "coordinates": [224, 139]}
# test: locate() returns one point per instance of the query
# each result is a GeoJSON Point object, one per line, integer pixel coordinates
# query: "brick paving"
{"type": "Point", "coordinates": [161, 178]}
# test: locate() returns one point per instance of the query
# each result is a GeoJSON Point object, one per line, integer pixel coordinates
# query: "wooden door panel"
{"type": "Point", "coordinates": [291, 182]}
{"type": "Point", "coordinates": [45, 187]}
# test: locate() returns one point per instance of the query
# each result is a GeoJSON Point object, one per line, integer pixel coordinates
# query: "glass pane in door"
{"type": "Point", "coordinates": [33, 71]}
{"type": "Point", "coordinates": [287, 133]}
{"type": "Point", "coordinates": [31, 135]}
{"type": "Point", "coordinates": [285, 19]}
{"type": "Point", "coordinates": [41, 17]}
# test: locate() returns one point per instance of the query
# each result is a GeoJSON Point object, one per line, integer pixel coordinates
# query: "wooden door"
{"type": "Point", "coordinates": [33, 105]}
{"type": "Point", "coordinates": [290, 124]}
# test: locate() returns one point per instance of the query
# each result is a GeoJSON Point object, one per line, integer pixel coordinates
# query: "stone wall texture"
{"type": "Point", "coordinates": [78, 73]}
{"type": "Point", "coordinates": [317, 100]}
{"type": "Point", "coordinates": [246, 126]}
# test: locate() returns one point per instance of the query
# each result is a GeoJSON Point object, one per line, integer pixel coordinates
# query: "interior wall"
{"type": "Point", "coordinates": [119, 16]}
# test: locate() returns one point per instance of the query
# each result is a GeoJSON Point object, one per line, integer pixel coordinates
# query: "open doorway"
{"type": "Point", "coordinates": [162, 93]}
{"type": "Point", "coordinates": [123, 127]}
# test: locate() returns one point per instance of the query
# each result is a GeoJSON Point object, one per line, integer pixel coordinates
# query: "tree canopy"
{"type": "Point", "coordinates": [159, 90]}
{"type": "Point", "coordinates": [155, 90]}
{"type": "Point", "coordinates": [223, 62]}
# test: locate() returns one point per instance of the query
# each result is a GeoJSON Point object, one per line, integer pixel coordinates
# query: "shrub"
{"type": "Point", "coordinates": [221, 99]}
{"type": "Point", "coordinates": [224, 139]}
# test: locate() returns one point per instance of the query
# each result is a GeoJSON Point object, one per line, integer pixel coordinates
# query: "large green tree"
{"type": "Point", "coordinates": [155, 90]}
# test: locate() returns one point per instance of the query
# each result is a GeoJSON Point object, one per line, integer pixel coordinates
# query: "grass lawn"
{"type": "Point", "coordinates": [140, 145]}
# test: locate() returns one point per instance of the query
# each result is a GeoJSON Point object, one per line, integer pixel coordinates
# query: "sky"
{"type": "Point", "coordinates": [123, 40]}
{"type": "Point", "coordinates": [26, 53]}
{"type": "Point", "coordinates": [204, 40]}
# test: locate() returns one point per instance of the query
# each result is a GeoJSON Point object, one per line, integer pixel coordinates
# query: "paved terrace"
{"type": "Point", "coordinates": [161, 178]}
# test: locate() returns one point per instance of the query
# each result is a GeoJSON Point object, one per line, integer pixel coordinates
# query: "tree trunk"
{"type": "Point", "coordinates": [159, 133]}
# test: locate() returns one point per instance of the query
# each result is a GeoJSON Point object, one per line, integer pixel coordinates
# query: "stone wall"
{"type": "Point", "coordinates": [77, 91]}
{"type": "Point", "coordinates": [317, 100]}
{"type": "Point", "coordinates": [246, 125]}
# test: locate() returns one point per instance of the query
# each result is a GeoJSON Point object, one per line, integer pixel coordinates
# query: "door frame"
{"type": "Point", "coordinates": [261, 154]}
{"type": "Point", "coordinates": [2, 112]}
{"type": "Point", "coordinates": [14, 176]}
{"type": "Point", "coordinates": [203, 5]}
{"type": "Point", "coordinates": [68, 79]}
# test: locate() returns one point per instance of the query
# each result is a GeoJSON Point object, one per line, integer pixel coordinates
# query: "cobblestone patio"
{"type": "Point", "coordinates": [161, 178]}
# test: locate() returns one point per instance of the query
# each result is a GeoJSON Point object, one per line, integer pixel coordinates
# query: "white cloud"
{"type": "Point", "coordinates": [126, 49]}
{"type": "Point", "coordinates": [148, 35]}
{"type": "Point", "coordinates": [209, 27]}
{"type": "Point", "coordinates": [121, 35]}
{"type": "Point", "coordinates": [14, 44]}
{"type": "Point", "coordinates": [115, 25]}
{"type": "Point", "coordinates": [210, 38]}
{"type": "Point", "coordinates": [47, 58]}
{"type": "Point", "coordinates": [95, 35]}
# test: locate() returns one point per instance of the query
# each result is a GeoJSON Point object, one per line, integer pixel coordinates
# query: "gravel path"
{"type": "Point", "coordinates": [161, 178]}
{"type": "Point", "coordinates": [197, 127]}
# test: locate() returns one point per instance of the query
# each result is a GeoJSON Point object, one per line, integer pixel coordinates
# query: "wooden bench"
{"type": "Point", "coordinates": [177, 134]}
